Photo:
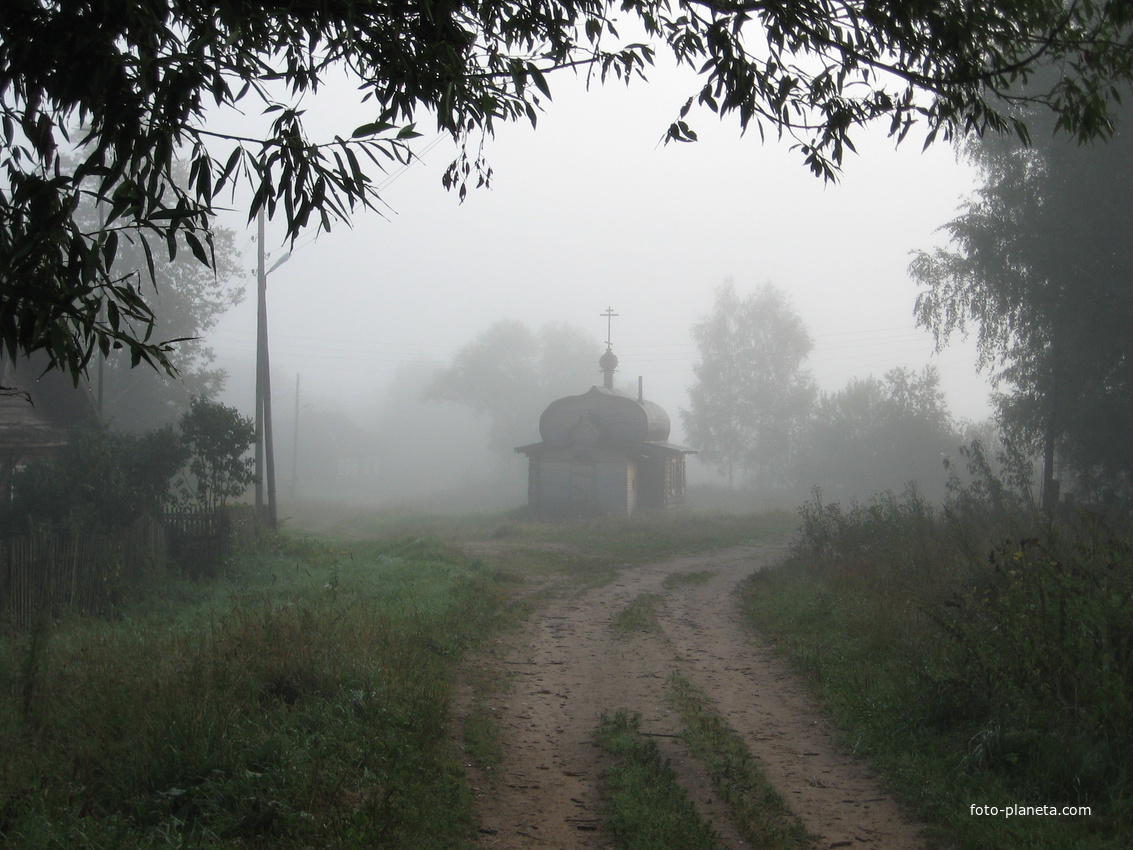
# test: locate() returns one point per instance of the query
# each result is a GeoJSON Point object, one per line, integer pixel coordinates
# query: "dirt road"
{"type": "Point", "coordinates": [568, 667]}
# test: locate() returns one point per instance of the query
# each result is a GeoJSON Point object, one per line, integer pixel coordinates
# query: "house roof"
{"type": "Point", "coordinates": [40, 406]}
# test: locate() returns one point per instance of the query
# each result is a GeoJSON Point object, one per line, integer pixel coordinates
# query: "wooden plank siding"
{"type": "Point", "coordinates": [582, 487]}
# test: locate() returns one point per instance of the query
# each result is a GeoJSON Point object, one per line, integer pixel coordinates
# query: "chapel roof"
{"type": "Point", "coordinates": [604, 416]}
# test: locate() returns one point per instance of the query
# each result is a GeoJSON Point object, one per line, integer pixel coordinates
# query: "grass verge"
{"type": "Point", "coordinates": [649, 535]}
{"type": "Point", "coordinates": [978, 671]}
{"type": "Point", "coordinates": [302, 702]}
{"type": "Point", "coordinates": [576, 544]}
{"type": "Point", "coordinates": [479, 729]}
{"type": "Point", "coordinates": [757, 809]}
{"type": "Point", "coordinates": [640, 615]}
{"type": "Point", "coordinates": [644, 806]}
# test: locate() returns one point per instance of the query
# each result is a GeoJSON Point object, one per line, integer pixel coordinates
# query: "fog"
{"type": "Point", "coordinates": [585, 212]}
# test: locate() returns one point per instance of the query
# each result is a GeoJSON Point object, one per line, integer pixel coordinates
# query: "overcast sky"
{"type": "Point", "coordinates": [589, 211]}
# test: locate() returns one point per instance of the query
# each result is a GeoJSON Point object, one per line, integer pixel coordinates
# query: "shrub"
{"type": "Point", "coordinates": [978, 649]}
{"type": "Point", "coordinates": [101, 479]}
{"type": "Point", "coordinates": [216, 438]}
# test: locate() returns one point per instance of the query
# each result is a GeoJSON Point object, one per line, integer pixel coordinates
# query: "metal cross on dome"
{"type": "Point", "coordinates": [609, 315]}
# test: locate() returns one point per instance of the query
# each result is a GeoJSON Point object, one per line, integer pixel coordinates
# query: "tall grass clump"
{"type": "Point", "coordinates": [644, 806]}
{"type": "Point", "coordinates": [758, 810]}
{"type": "Point", "coordinates": [981, 652]}
{"type": "Point", "coordinates": [304, 704]}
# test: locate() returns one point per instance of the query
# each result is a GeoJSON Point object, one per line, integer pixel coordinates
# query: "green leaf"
{"type": "Point", "coordinates": [197, 248]}
{"type": "Point", "coordinates": [149, 258]}
{"type": "Point", "coordinates": [109, 248]}
{"type": "Point", "coordinates": [539, 79]}
{"type": "Point", "coordinates": [371, 129]}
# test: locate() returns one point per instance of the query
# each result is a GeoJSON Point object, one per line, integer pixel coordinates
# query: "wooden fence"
{"type": "Point", "coordinates": [47, 573]}
{"type": "Point", "coordinates": [199, 541]}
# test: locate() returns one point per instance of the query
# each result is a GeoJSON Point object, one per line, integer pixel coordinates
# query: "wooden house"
{"type": "Point", "coordinates": [604, 452]}
{"type": "Point", "coordinates": [38, 410]}
{"type": "Point", "coordinates": [335, 458]}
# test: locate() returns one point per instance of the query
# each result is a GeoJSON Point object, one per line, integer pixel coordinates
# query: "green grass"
{"type": "Point", "coordinates": [757, 809]}
{"type": "Point", "coordinates": [640, 615]}
{"type": "Point", "coordinates": [576, 543]}
{"type": "Point", "coordinates": [675, 580]}
{"type": "Point", "coordinates": [480, 730]}
{"type": "Point", "coordinates": [300, 698]}
{"type": "Point", "coordinates": [969, 670]}
{"type": "Point", "coordinates": [577, 555]}
{"type": "Point", "coordinates": [302, 702]}
{"type": "Point", "coordinates": [482, 739]}
{"type": "Point", "coordinates": [648, 536]}
{"type": "Point", "coordinates": [644, 806]}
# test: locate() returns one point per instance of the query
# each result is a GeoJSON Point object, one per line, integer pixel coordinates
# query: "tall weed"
{"type": "Point", "coordinates": [307, 707]}
{"type": "Point", "coordinates": [979, 651]}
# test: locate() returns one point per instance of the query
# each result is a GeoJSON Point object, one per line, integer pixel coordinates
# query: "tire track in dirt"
{"type": "Point", "coordinates": [568, 667]}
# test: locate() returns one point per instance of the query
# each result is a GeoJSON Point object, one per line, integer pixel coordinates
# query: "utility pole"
{"type": "Point", "coordinates": [269, 443]}
{"type": "Point", "coordinates": [261, 337]}
{"type": "Point", "coordinates": [1050, 485]}
{"type": "Point", "coordinates": [265, 454]}
{"type": "Point", "coordinates": [295, 444]}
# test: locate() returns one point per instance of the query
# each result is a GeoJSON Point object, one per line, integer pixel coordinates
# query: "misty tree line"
{"type": "Point", "coordinates": [164, 439]}
{"type": "Point", "coordinates": [1038, 268]}
{"type": "Point", "coordinates": [757, 416]}
{"type": "Point", "coordinates": [810, 72]}
{"type": "Point", "coordinates": [188, 299]}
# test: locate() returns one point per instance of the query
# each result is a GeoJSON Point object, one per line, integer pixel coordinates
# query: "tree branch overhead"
{"type": "Point", "coordinates": [129, 88]}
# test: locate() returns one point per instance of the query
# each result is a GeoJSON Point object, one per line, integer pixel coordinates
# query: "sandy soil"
{"type": "Point", "coordinates": [567, 668]}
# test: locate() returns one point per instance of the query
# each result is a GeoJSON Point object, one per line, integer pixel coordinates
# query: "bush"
{"type": "Point", "coordinates": [978, 650]}
{"type": "Point", "coordinates": [217, 438]}
{"type": "Point", "coordinates": [100, 480]}
{"type": "Point", "coordinates": [1045, 630]}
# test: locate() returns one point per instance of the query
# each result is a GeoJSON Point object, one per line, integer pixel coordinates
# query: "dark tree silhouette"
{"type": "Point", "coordinates": [132, 87]}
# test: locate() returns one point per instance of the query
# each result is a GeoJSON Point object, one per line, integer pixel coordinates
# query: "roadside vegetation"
{"type": "Point", "coordinates": [300, 701]}
{"type": "Point", "coordinates": [979, 653]}
{"type": "Point", "coordinates": [298, 696]}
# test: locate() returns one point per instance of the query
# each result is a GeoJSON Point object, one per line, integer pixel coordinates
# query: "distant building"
{"type": "Point", "coordinates": [38, 411]}
{"type": "Point", "coordinates": [335, 458]}
{"type": "Point", "coordinates": [604, 452]}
